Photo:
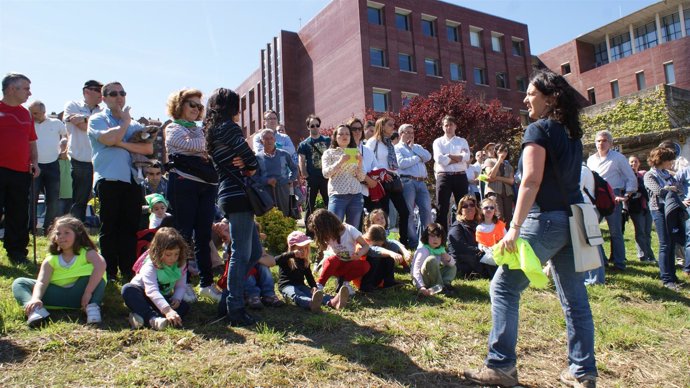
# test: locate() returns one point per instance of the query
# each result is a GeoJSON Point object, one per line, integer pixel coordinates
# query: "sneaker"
{"type": "Point", "coordinates": [93, 313]}
{"type": "Point", "coordinates": [272, 301]}
{"type": "Point", "coordinates": [586, 381]}
{"type": "Point", "coordinates": [37, 317]}
{"type": "Point", "coordinates": [240, 318]}
{"type": "Point", "coordinates": [493, 376]}
{"type": "Point", "coordinates": [193, 268]}
{"type": "Point", "coordinates": [316, 300]}
{"type": "Point", "coordinates": [349, 288]}
{"type": "Point", "coordinates": [319, 286]}
{"type": "Point", "coordinates": [339, 301]}
{"type": "Point", "coordinates": [210, 292]}
{"type": "Point", "coordinates": [135, 321]}
{"type": "Point", "coordinates": [158, 323]}
{"type": "Point", "coordinates": [672, 286]}
{"type": "Point", "coordinates": [189, 295]}
{"type": "Point", "coordinates": [254, 302]}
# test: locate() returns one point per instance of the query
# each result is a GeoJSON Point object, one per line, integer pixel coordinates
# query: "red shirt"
{"type": "Point", "coordinates": [16, 132]}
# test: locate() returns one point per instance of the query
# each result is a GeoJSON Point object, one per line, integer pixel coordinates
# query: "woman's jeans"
{"type": "Point", "coordinates": [549, 235]}
{"type": "Point", "coordinates": [301, 295]}
{"type": "Point", "coordinates": [642, 222]}
{"type": "Point", "coordinates": [667, 264]}
{"type": "Point", "coordinates": [348, 207]}
{"type": "Point", "coordinates": [244, 253]}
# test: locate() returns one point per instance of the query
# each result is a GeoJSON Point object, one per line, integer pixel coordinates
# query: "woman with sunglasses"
{"type": "Point", "coordinates": [500, 184]}
{"type": "Point", "coordinates": [462, 243]}
{"type": "Point", "coordinates": [192, 199]}
{"type": "Point", "coordinates": [550, 163]}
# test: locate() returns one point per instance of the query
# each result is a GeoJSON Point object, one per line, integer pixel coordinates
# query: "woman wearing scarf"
{"type": "Point", "coordinates": [462, 244]}
{"type": "Point", "coordinates": [192, 199]}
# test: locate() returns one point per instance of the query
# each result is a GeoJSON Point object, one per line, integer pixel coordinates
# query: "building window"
{"type": "Point", "coordinates": [521, 84]}
{"type": "Point", "coordinates": [431, 66]}
{"type": "Point", "coordinates": [452, 32]}
{"type": "Point", "coordinates": [406, 98]}
{"type": "Point", "coordinates": [381, 100]}
{"type": "Point", "coordinates": [524, 118]}
{"type": "Point", "coordinates": [670, 27]}
{"type": "Point", "coordinates": [377, 57]}
{"type": "Point", "coordinates": [614, 89]}
{"type": "Point", "coordinates": [621, 46]}
{"type": "Point", "coordinates": [601, 55]}
{"type": "Point", "coordinates": [402, 21]}
{"type": "Point", "coordinates": [501, 80]}
{"type": "Point", "coordinates": [406, 63]}
{"type": "Point", "coordinates": [496, 42]}
{"type": "Point", "coordinates": [591, 96]}
{"type": "Point", "coordinates": [455, 72]}
{"type": "Point", "coordinates": [565, 68]}
{"type": "Point", "coordinates": [641, 83]}
{"type": "Point", "coordinates": [476, 36]}
{"type": "Point", "coordinates": [480, 76]}
{"type": "Point", "coordinates": [428, 27]}
{"type": "Point", "coordinates": [686, 12]}
{"type": "Point", "coordinates": [645, 37]}
{"type": "Point", "coordinates": [518, 47]}
{"type": "Point", "coordinates": [375, 15]}
{"type": "Point", "coordinates": [669, 73]}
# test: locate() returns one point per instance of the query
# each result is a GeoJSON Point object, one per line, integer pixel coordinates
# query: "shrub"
{"type": "Point", "coordinates": [276, 227]}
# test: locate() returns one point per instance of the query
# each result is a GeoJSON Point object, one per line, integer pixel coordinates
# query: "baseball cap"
{"type": "Point", "coordinates": [92, 84]}
{"type": "Point", "coordinates": [298, 238]}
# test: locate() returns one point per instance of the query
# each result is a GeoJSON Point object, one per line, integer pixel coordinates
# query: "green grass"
{"type": "Point", "coordinates": [388, 338]}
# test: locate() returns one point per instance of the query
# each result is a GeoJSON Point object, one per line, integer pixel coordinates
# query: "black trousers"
{"type": "Point", "coordinates": [315, 185]}
{"type": "Point", "coordinates": [398, 200]}
{"type": "Point", "coordinates": [447, 185]}
{"type": "Point", "coordinates": [14, 203]}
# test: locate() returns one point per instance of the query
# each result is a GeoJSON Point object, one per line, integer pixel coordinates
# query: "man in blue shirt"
{"type": "Point", "coordinates": [119, 194]}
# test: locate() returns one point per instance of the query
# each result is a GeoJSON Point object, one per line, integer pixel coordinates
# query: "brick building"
{"type": "Point", "coordinates": [358, 54]}
{"type": "Point", "coordinates": [647, 48]}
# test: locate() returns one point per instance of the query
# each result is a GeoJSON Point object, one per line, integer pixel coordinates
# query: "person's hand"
{"type": "Point", "coordinates": [85, 299]}
{"type": "Point", "coordinates": [502, 155]}
{"type": "Point", "coordinates": [424, 291]}
{"type": "Point", "coordinates": [271, 181]}
{"type": "Point", "coordinates": [344, 158]}
{"type": "Point", "coordinates": [620, 199]}
{"type": "Point", "coordinates": [508, 241]}
{"type": "Point", "coordinates": [35, 170]}
{"type": "Point", "coordinates": [173, 317]}
{"type": "Point", "coordinates": [455, 158]}
{"type": "Point", "coordinates": [671, 188]}
{"type": "Point", "coordinates": [238, 162]}
{"type": "Point", "coordinates": [686, 202]}
{"type": "Point", "coordinates": [249, 172]}
{"type": "Point", "coordinates": [387, 178]}
{"type": "Point", "coordinates": [32, 305]}
{"type": "Point", "coordinates": [370, 183]}
{"type": "Point", "coordinates": [397, 257]}
{"type": "Point", "coordinates": [174, 303]}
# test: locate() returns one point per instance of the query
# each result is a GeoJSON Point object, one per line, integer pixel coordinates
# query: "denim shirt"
{"type": "Point", "coordinates": [411, 160]}
{"type": "Point", "coordinates": [110, 162]}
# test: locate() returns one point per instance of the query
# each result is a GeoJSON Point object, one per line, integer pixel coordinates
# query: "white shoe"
{"type": "Point", "coordinates": [193, 268]}
{"type": "Point", "coordinates": [210, 292]}
{"type": "Point", "coordinates": [135, 321]}
{"type": "Point", "coordinates": [189, 295]}
{"type": "Point", "coordinates": [37, 316]}
{"type": "Point", "coordinates": [158, 323]}
{"type": "Point", "coordinates": [93, 313]}
{"type": "Point", "coordinates": [350, 290]}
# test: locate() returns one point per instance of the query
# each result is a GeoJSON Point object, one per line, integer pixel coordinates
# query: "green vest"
{"type": "Point", "coordinates": [66, 276]}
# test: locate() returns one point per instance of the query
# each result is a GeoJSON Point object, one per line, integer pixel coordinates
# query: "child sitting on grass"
{"type": "Point", "coordinates": [382, 257]}
{"type": "Point", "coordinates": [71, 276]}
{"type": "Point", "coordinates": [433, 268]}
{"type": "Point", "coordinates": [379, 217]}
{"type": "Point", "coordinates": [294, 268]}
{"type": "Point", "coordinates": [489, 231]}
{"type": "Point", "coordinates": [155, 294]}
{"type": "Point", "coordinates": [338, 240]}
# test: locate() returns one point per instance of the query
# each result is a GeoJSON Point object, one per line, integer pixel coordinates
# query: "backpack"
{"type": "Point", "coordinates": [604, 199]}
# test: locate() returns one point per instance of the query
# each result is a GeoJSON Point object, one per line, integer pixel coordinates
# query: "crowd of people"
{"type": "Point", "coordinates": [372, 178]}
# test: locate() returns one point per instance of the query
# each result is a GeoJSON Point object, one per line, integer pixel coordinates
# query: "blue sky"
{"type": "Point", "coordinates": [155, 47]}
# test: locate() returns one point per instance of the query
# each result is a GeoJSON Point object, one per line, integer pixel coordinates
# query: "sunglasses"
{"type": "Point", "coordinates": [468, 205]}
{"type": "Point", "coordinates": [315, 126]}
{"type": "Point", "coordinates": [195, 105]}
{"type": "Point", "coordinates": [488, 208]}
{"type": "Point", "coordinates": [114, 93]}
{"type": "Point", "coordinates": [356, 128]}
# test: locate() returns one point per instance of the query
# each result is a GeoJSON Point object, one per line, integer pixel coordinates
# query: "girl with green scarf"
{"type": "Point", "coordinates": [433, 268]}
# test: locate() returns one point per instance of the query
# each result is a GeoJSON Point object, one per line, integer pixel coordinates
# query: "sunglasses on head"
{"type": "Point", "coordinates": [115, 93]}
{"type": "Point", "coordinates": [467, 205]}
{"type": "Point", "coordinates": [315, 126]}
{"type": "Point", "coordinates": [195, 105]}
{"type": "Point", "coordinates": [488, 208]}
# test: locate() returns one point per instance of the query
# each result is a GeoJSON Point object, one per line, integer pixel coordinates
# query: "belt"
{"type": "Point", "coordinates": [451, 173]}
{"type": "Point", "coordinates": [414, 178]}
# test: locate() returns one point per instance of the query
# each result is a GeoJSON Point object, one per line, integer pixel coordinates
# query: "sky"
{"type": "Point", "coordinates": [154, 47]}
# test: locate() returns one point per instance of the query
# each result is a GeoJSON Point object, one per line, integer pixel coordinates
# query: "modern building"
{"type": "Point", "coordinates": [647, 48]}
{"type": "Point", "coordinates": [357, 54]}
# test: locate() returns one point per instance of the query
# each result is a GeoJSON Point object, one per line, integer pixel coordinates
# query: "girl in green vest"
{"type": "Point", "coordinates": [71, 276]}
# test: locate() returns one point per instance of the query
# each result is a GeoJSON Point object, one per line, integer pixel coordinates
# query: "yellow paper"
{"type": "Point", "coordinates": [352, 152]}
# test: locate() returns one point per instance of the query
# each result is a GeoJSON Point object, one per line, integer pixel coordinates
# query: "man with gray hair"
{"type": "Point", "coordinates": [277, 170]}
{"type": "Point", "coordinates": [614, 168]}
{"type": "Point", "coordinates": [283, 141]}
{"type": "Point", "coordinates": [18, 164]}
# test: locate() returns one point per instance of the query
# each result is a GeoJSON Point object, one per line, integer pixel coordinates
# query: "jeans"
{"type": "Point", "coordinates": [244, 253]}
{"type": "Point", "coordinates": [56, 296]}
{"type": "Point", "coordinates": [49, 183]}
{"type": "Point", "coordinates": [315, 185]}
{"type": "Point", "coordinates": [686, 265]}
{"type": "Point", "coordinates": [615, 222]}
{"type": "Point", "coordinates": [194, 207]}
{"type": "Point", "coordinates": [82, 182]}
{"type": "Point", "coordinates": [301, 295]}
{"type": "Point", "coordinates": [347, 206]}
{"type": "Point", "coordinates": [447, 185]}
{"type": "Point", "coordinates": [14, 202]}
{"type": "Point", "coordinates": [548, 234]}
{"type": "Point", "coordinates": [597, 276]}
{"type": "Point", "coordinates": [667, 263]}
{"type": "Point", "coordinates": [137, 301]}
{"type": "Point", "coordinates": [643, 234]}
{"type": "Point", "coordinates": [260, 284]}
{"type": "Point", "coordinates": [416, 193]}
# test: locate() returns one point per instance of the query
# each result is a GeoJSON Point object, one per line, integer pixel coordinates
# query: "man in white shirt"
{"type": "Point", "coordinates": [283, 141]}
{"type": "Point", "coordinates": [452, 157]}
{"type": "Point", "coordinates": [49, 132]}
{"type": "Point", "coordinates": [76, 118]}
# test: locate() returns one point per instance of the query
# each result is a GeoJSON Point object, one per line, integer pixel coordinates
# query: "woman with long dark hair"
{"type": "Point", "coordinates": [550, 164]}
{"type": "Point", "coordinates": [233, 160]}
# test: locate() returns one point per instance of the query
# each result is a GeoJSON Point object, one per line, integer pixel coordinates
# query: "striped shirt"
{"type": "Point", "coordinates": [180, 140]}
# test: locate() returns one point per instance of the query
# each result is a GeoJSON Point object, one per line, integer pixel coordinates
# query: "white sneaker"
{"type": "Point", "coordinates": [211, 292]}
{"type": "Point", "coordinates": [93, 313]}
{"type": "Point", "coordinates": [319, 286]}
{"type": "Point", "coordinates": [158, 323]}
{"type": "Point", "coordinates": [135, 321]}
{"type": "Point", "coordinates": [189, 295]}
{"type": "Point", "coordinates": [347, 285]}
{"type": "Point", "coordinates": [193, 268]}
{"type": "Point", "coordinates": [37, 317]}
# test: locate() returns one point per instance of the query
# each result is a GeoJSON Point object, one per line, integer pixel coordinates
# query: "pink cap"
{"type": "Point", "coordinates": [298, 238]}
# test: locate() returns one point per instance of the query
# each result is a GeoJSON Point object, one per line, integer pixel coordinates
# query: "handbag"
{"type": "Point", "coordinates": [393, 186]}
{"type": "Point", "coordinates": [260, 199]}
{"type": "Point", "coordinates": [193, 165]}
